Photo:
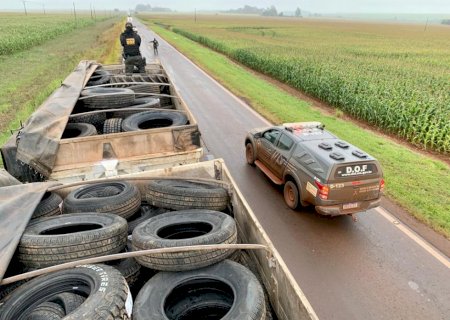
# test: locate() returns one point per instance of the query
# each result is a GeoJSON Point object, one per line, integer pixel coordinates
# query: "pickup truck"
{"type": "Point", "coordinates": [286, 298]}
{"type": "Point", "coordinates": [316, 168]}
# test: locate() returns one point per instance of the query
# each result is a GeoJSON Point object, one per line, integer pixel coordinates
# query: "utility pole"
{"type": "Point", "coordinates": [195, 14]}
{"type": "Point", "coordinates": [25, 8]}
{"type": "Point", "coordinates": [43, 7]}
{"type": "Point", "coordinates": [92, 17]}
{"type": "Point", "coordinates": [74, 13]}
{"type": "Point", "coordinates": [426, 25]}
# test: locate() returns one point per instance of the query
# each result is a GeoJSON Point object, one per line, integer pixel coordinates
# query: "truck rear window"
{"type": "Point", "coordinates": [356, 170]}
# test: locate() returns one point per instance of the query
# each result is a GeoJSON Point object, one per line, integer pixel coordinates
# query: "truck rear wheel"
{"type": "Point", "coordinates": [250, 154]}
{"type": "Point", "coordinates": [226, 288]}
{"type": "Point", "coordinates": [291, 195]}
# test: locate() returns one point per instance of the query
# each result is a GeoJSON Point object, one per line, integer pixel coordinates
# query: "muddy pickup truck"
{"type": "Point", "coordinates": [95, 125]}
{"type": "Point", "coordinates": [316, 168]}
{"type": "Point", "coordinates": [99, 292]}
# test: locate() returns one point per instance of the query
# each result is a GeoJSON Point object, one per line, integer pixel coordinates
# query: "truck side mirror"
{"type": "Point", "coordinates": [258, 135]}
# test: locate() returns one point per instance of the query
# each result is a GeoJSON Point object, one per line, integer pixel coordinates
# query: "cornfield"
{"type": "Point", "coordinates": [395, 77]}
{"type": "Point", "coordinates": [19, 32]}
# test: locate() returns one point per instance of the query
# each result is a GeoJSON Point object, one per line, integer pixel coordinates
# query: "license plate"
{"type": "Point", "coordinates": [350, 205]}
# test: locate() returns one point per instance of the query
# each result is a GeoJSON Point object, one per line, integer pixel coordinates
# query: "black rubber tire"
{"type": "Point", "coordinates": [224, 288]}
{"type": "Point", "coordinates": [129, 267]}
{"type": "Point", "coordinates": [146, 102]}
{"type": "Point", "coordinates": [182, 194]}
{"type": "Point", "coordinates": [112, 125]}
{"type": "Point", "coordinates": [146, 212]}
{"type": "Point", "coordinates": [49, 206]}
{"type": "Point", "coordinates": [69, 237]}
{"type": "Point", "coordinates": [95, 119]}
{"type": "Point", "coordinates": [247, 262]}
{"type": "Point", "coordinates": [141, 103]}
{"type": "Point", "coordinates": [68, 301]}
{"type": "Point", "coordinates": [7, 289]}
{"type": "Point", "coordinates": [106, 291]}
{"type": "Point", "coordinates": [76, 130]}
{"type": "Point", "coordinates": [166, 102]}
{"type": "Point", "coordinates": [120, 197]}
{"type": "Point", "coordinates": [145, 87]}
{"type": "Point", "coordinates": [99, 77]}
{"type": "Point", "coordinates": [184, 228]}
{"type": "Point", "coordinates": [47, 311]}
{"type": "Point", "coordinates": [250, 154]}
{"type": "Point", "coordinates": [107, 98]}
{"type": "Point", "coordinates": [291, 195]}
{"type": "Point", "coordinates": [153, 119]}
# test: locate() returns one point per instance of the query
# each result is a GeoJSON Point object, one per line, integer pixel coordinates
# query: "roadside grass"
{"type": "Point", "coordinates": [418, 183]}
{"type": "Point", "coordinates": [112, 53]}
{"type": "Point", "coordinates": [30, 76]}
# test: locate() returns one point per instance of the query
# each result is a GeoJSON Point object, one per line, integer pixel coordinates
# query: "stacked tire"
{"type": "Point", "coordinates": [193, 284]}
{"type": "Point", "coordinates": [132, 95]}
{"type": "Point", "coordinates": [85, 292]}
{"type": "Point", "coordinates": [188, 284]}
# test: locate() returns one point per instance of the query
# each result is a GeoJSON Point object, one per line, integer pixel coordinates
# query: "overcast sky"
{"type": "Point", "coordinates": [319, 6]}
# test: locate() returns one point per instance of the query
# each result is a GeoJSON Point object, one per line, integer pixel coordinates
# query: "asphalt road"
{"type": "Point", "coordinates": [371, 269]}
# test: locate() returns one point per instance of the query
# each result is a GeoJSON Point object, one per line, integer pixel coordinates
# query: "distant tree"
{"type": "Point", "coordinates": [246, 10]}
{"type": "Point", "coordinates": [445, 21]}
{"type": "Point", "coordinates": [298, 12]}
{"type": "Point", "coordinates": [161, 9]}
{"type": "Point", "coordinates": [281, 14]}
{"type": "Point", "coordinates": [143, 7]}
{"type": "Point", "coordinates": [147, 7]}
{"type": "Point", "coordinates": [270, 12]}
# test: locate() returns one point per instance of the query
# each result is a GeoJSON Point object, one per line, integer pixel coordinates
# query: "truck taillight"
{"type": "Point", "coordinates": [323, 190]}
{"type": "Point", "coordinates": [382, 185]}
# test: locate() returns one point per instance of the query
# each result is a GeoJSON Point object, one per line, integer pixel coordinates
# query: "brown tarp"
{"type": "Point", "coordinates": [6, 179]}
{"type": "Point", "coordinates": [39, 139]}
{"type": "Point", "coordinates": [17, 204]}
